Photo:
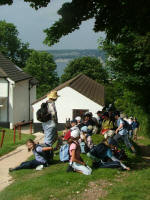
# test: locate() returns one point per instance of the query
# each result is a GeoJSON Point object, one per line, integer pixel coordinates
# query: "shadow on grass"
{"type": "Point", "coordinates": [142, 158]}
{"type": "Point", "coordinates": [55, 162]}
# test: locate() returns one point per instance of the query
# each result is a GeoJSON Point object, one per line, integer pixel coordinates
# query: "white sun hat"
{"type": "Point", "coordinates": [75, 133]}
{"type": "Point", "coordinates": [78, 118]}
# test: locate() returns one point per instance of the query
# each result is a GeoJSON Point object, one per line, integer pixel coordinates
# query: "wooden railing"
{"type": "Point", "coordinates": [18, 126]}
{"type": "Point", "coordinates": [2, 138]}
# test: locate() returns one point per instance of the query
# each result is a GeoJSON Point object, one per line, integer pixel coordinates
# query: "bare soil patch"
{"type": "Point", "coordinates": [94, 191]}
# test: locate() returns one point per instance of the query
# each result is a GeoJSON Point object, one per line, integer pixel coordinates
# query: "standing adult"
{"type": "Point", "coordinates": [121, 132]}
{"type": "Point", "coordinates": [135, 127]}
{"type": "Point", "coordinates": [99, 119]}
{"type": "Point", "coordinates": [49, 127]}
{"type": "Point", "coordinates": [130, 131]}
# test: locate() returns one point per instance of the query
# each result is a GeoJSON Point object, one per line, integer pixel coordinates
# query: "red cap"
{"type": "Point", "coordinates": [67, 135]}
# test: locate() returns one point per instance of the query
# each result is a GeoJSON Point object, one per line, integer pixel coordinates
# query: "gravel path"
{"type": "Point", "coordinates": [13, 159]}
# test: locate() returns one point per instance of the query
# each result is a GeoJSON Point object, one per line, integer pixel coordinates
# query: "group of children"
{"type": "Point", "coordinates": [77, 137]}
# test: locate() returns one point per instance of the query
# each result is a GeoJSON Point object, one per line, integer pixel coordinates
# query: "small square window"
{"type": "Point", "coordinates": [78, 112]}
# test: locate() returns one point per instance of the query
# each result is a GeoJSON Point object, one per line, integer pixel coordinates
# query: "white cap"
{"type": "Point", "coordinates": [78, 118]}
{"type": "Point", "coordinates": [75, 133]}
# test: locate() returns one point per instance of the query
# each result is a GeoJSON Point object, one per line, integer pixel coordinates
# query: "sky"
{"type": "Point", "coordinates": [31, 23]}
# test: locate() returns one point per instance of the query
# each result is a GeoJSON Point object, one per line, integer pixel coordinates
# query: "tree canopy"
{"type": "Point", "coordinates": [11, 46]}
{"type": "Point", "coordinates": [42, 66]}
{"type": "Point", "coordinates": [89, 66]}
{"type": "Point", "coordinates": [110, 16]}
{"type": "Point", "coordinates": [127, 29]}
{"type": "Point", "coordinates": [131, 63]}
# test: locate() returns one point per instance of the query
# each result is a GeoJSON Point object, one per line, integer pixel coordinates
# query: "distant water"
{"type": "Point", "coordinates": [60, 67]}
{"type": "Point", "coordinates": [62, 57]}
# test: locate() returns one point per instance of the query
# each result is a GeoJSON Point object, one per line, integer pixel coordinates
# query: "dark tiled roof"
{"type": "Point", "coordinates": [11, 70]}
{"type": "Point", "coordinates": [2, 73]}
{"type": "Point", "coordinates": [86, 86]}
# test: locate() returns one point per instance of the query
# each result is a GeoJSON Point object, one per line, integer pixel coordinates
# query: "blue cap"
{"type": "Point", "coordinates": [84, 129]}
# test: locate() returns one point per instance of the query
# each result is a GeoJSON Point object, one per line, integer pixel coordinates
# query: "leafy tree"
{"type": "Point", "coordinates": [11, 46]}
{"type": "Point", "coordinates": [113, 91]}
{"type": "Point", "coordinates": [33, 3]}
{"type": "Point", "coordinates": [42, 66]}
{"type": "Point", "coordinates": [89, 66]}
{"type": "Point", "coordinates": [126, 24]}
{"type": "Point", "coordinates": [130, 62]}
{"type": "Point", "coordinates": [110, 16]}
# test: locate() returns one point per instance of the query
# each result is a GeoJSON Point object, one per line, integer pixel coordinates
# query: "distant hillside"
{"type": "Point", "coordinates": [74, 53]}
{"type": "Point", "coordinates": [62, 57]}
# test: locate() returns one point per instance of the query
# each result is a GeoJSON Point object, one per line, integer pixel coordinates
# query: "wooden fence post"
{"type": "Point", "coordinates": [19, 131]}
{"type": "Point", "coordinates": [2, 138]}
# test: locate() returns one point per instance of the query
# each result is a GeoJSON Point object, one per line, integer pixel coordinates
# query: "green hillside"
{"type": "Point", "coordinates": [74, 53]}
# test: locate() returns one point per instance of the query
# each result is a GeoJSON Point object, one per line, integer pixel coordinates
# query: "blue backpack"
{"type": "Point", "coordinates": [84, 148]}
{"type": "Point", "coordinates": [47, 155]}
{"type": "Point", "coordinates": [64, 153]}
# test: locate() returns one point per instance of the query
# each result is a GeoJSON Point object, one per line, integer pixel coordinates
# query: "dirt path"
{"type": "Point", "coordinates": [13, 159]}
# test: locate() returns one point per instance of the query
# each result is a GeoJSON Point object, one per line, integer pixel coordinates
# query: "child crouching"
{"type": "Point", "coordinates": [76, 161]}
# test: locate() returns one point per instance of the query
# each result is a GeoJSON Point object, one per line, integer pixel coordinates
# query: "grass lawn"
{"type": "Point", "coordinates": [135, 186]}
{"type": "Point", "coordinates": [8, 144]}
{"type": "Point", "coordinates": [54, 183]}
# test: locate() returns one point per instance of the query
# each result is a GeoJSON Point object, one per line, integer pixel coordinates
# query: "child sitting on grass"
{"type": "Point", "coordinates": [40, 158]}
{"type": "Point", "coordinates": [76, 161]}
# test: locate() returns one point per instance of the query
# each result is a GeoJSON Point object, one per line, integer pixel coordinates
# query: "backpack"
{"type": "Point", "coordinates": [64, 153]}
{"type": "Point", "coordinates": [42, 114]}
{"type": "Point", "coordinates": [99, 150]}
{"type": "Point", "coordinates": [84, 148]}
{"type": "Point", "coordinates": [47, 155]}
{"type": "Point", "coordinates": [126, 125]}
{"type": "Point", "coordinates": [120, 154]}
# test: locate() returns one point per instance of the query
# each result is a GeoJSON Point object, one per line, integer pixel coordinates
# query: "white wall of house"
{"type": "Point", "coordinates": [32, 99]}
{"type": "Point", "coordinates": [3, 87]}
{"type": "Point", "coordinates": [11, 102]}
{"type": "Point", "coordinates": [3, 109]}
{"type": "Point", "coordinates": [18, 101]}
{"type": "Point", "coordinates": [69, 99]}
{"type": "Point", "coordinates": [21, 101]}
{"type": "Point", "coordinates": [3, 99]}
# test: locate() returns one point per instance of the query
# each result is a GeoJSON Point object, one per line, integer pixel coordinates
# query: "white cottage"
{"type": "Point", "coordinates": [17, 93]}
{"type": "Point", "coordinates": [77, 96]}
